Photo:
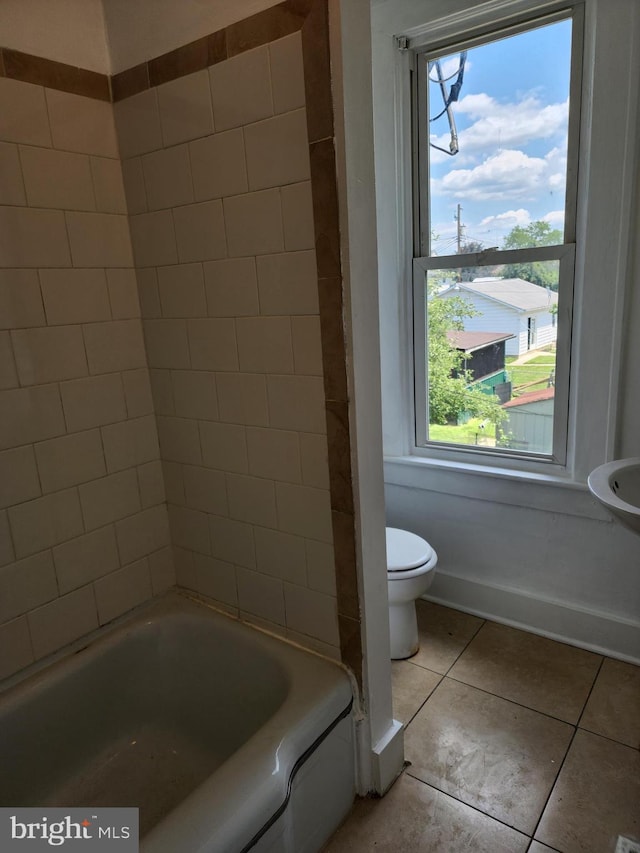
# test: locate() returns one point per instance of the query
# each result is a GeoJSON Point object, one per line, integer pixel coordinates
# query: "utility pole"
{"type": "Point", "coordinates": [458, 219]}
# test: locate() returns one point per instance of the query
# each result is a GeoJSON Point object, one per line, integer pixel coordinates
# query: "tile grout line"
{"type": "Point", "coordinates": [555, 782]}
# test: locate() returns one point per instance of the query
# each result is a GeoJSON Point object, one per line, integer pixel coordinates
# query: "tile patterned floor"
{"type": "Point", "coordinates": [515, 744]}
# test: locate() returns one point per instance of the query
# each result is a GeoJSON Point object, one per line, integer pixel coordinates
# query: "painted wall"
{"type": "Point", "coordinates": [540, 555]}
{"type": "Point", "coordinates": [83, 524]}
{"type": "Point", "coordinates": [70, 31]}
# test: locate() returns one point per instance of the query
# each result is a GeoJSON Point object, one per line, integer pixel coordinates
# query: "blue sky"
{"type": "Point", "coordinates": [512, 127]}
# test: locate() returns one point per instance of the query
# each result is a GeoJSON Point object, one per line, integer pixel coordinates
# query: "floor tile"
{"type": "Point", "coordinates": [488, 752]}
{"type": "Point", "coordinates": [537, 672]}
{"type": "Point", "coordinates": [411, 686]}
{"type": "Point", "coordinates": [613, 708]}
{"type": "Point", "coordinates": [443, 635]}
{"type": "Point", "coordinates": [536, 847]}
{"type": "Point", "coordinates": [415, 818]}
{"type": "Point", "coordinates": [596, 797]}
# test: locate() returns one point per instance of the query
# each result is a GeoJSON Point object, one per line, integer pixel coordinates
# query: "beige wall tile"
{"type": "Point", "coordinates": [57, 179]}
{"type": "Point", "coordinates": [8, 372]}
{"type": "Point", "coordinates": [185, 108]}
{"type": "Point", "coordinates": [62, 621]}
{"type": "Point", "coordinates": [274, 454]}
{"type": "Point", "coordinates": [185, 569]}
{"type": "Point", "coordinates": [297, 216]}
{"type": "Point", "coordinates": [30, 414]}
{"type": "Point", "coordinates": [20, 300]}
{"type": "Point", "coordinates": [162, 570]}
{"type": "Point", "coordinates": [26, 584]}
{"type": "Point", "coordinates": [138, 123]}
{"type": "Point", "coordinates": [264, 344]}
{"type": "Point", "coordinates": [200, 231]}
{"type": "Point", "coordinates": [189, 529]}
{"type": "Point", "coordinates": [143, 533]}
{"type": "Point", "coordinates": [216, 579]}
{"type": "Point", "coordinates": [311, 613]}
{"type": "Point", "coordinates": [232, 287]}
{"type": "Point", "coordinates": [18, 476]}
{"type": "Point", "coordinates": [218, 165]}
{"type": "Point", "coordinates": [181, 291]}
{"type": "Point", "coordinates": [174, 482]}
{"type": "Point", "coordinates": [108, 185]}
{"type": "Point", "coordinates": [242, 398]}
{"type": "Point", "coordinates": [232, 541]}
{"type": "Point", "coordinates": [304, 511]}
{"type": "Point", "coordinates": [277, 151]}
{"type": "Point", "coordinates": [137, 393]}
{"type": "Point", "coordinates": [23, 113]}
{"type": "Point", "coordinates": [81, 124]}
{"type": "Point", "coordinates": [287, 73]}
{"type": "Point", "coordinates": [122, 590]}
{"type": "Point", "coordinates": [33, 238]}
{"type": "Point", "coordinates": [70, 460]}
{"type": "Point", "coordinates": [99, 240]}
{"type": "Point", "coordinates": [153, 239]}
{"type": "Point", "coordinates": [194, 394]}
{"type": "Point", "coordinates": [133, 178]}
{"type": "Point", "coordinates": [75, 296]}
{"type": "Point", "coordinates": [15, 647]}
{"type": "Point", "coordinates": [123, 293]}
{"type": "Point", "coordinates": [45, 522]}
{"type": "Point", "coordinates": [212, 344]}
{"type": "Point", "coordinates": [241, 89]}
{"type": "Point", "coordinates": [49, 354]}
{"type": "Point", "coordinates": [281, 555]}
{"type": "Point", "coordinates": [315, 460]}
{"type": "Point", "coordinates": [130, 443]}
{"type": "Point", "coordinates": [151, 484]}
{"type": "Point", "coordinates": [11, 183]}
{"type": "Point", "coordinates": [86, 558]}
{"type": "Point", "coordinates": [252, 500]}
{"type": "Point", "coordinates": [117, 345]}
{"type": "Point", "coordinates": [6, 545]}
{"type": "Point", "coordinates": [288, 283]}
{"type": "Point", "coordinates": [321, 571]}
{"type": "Point", "coordinates": [167, 177]}
{"type": "Point", "coordinates": [148, 292]}
{"type": "Point", "coordinates": [254, 223]}
{"type": "Point", "coordinates": [307, 345]}
{"type": "Point", "coordinates": [162, 391]}
{"type": "Point", "coordinates": [205, 490]}
{"type": "Point", "coordinates": [167, 343]}
{"type": "Point", "coordinates": [179, 440]}
{"type": "Point", "coordinates": [224, 446]}
{"type": "Point", "coordinates": [109, 499]}
{"type": "Point", "coordinates": [297, 403]}
{"type": "Point", "coordinates": [93, 402]}
{"type": "Point", "coordinates": [261, 595]}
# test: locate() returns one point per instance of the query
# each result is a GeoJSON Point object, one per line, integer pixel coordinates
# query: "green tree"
{"type": "Point", "coordinates": [449, 392]}
{"type": "Point", "coordinates": [469, 273]}
{"type": "Point", "coordinates": [538, 233]}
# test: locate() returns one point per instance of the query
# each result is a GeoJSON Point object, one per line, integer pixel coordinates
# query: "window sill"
{"type": "Point", "coordinates": [533, 490]}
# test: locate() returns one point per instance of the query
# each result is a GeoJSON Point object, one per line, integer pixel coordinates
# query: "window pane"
{"type": "Point", "coordinates": [491, 358]}
{"type": "Point", "coordinates": [497, 128]}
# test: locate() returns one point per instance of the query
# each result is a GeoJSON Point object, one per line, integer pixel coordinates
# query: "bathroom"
{"type": "Point", "coordinates": [165, 480]}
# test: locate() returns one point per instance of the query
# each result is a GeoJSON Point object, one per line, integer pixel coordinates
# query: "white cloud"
{"type": "Point", "coordinates": [509, 174]}
{"type": "Point", "coordinates": [507, 220]}
{"type": "Point", "coordinates": [554, 217]}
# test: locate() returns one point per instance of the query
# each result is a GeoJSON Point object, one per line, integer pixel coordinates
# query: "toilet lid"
{"type": "Point", "coordinates": [405, 550]}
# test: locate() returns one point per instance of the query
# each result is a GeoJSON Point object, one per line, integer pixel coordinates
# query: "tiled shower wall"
{"type": "Point", "coordinates": [216, 167]}
{"type": "Point", "coordinates": [83, 523]}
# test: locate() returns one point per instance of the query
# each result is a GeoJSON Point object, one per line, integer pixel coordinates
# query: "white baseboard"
{"type": "Point", "coordinates": [594, 630]}
{"type": "Point", "coordinates": [388, 758]}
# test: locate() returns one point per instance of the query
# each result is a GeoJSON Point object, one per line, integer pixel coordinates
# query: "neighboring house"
{"type": "Point", "coordinates": [512, 305]}
{"type": "Point", "coordinates": [529, 425]}
{"type": "Point", "coordinates": [484, 352]}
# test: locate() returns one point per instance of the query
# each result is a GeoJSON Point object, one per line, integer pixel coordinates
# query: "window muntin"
{"type": "Point", "coordinates": [515, 147]}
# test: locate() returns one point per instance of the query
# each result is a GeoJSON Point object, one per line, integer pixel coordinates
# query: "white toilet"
{"type": "Point", "coordinates": [411, 564]}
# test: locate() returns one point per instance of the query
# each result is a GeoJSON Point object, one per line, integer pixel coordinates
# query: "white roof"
{"type": "Point", "coordinates": [514, 292]}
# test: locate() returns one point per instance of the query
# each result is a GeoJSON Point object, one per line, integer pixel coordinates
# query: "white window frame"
{"type": "Point", "coordinates": [603, 221]}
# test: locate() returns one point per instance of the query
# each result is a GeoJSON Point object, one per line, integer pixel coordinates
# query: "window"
{"type": "Point", "coordinates": [495, 120]}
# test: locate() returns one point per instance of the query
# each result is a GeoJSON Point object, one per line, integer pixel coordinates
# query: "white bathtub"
{"type": "Point", "coordinates": [226, 738]}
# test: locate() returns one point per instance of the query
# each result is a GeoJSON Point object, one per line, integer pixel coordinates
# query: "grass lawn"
{"type": "Point", "coordinates": [464, 434]}
{"type": "Point", "coordinates": [522, 374]}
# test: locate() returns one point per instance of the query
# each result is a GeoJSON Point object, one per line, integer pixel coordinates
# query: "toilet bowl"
{"type": "Point", "coordinates": [411, 563]}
